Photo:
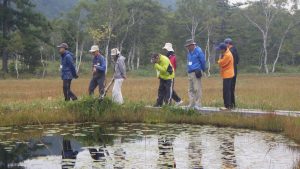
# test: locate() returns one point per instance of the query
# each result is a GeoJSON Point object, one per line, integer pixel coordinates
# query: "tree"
{"type": "Point", "coordinates": [19, 15]}
{"type": "Point", "coordinates": [262, 14]}
{"type": "Point", "coordinates": [191, 12]}
{"type": "Point", "coordinates": [294, 22]}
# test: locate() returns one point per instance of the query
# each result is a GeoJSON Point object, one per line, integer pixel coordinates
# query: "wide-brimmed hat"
{"type": "Point", "coordinates": [114, 52]}
{"type": "Point", "coordinates": [169, 47]}
{"type": "Point", "coordinates": [94, 48]}
{"type": "Point", "coordinates": [63, 45]}
{"type": "Point", "coordinates": [189, 42]}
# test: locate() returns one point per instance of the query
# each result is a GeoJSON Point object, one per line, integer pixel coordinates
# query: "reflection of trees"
{"type": "Point", "coordinates": [166, 154]}
{"type": "Point", "coordinates": [100, 136]}
{"type": "Point", "coordinates": [20, 152]}
{"type": "Point", "coordinates": [227, 150]}
{"type": "Point", "coordinates": [195, 152]}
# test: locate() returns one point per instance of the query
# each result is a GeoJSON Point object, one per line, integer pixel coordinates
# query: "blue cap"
{"type": "Point", "coordinates": [222, 46]}
{"type": "Point", "coordinates": [228, 41]}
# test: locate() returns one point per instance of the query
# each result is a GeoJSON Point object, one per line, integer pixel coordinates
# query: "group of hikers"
{"type": "Point", "coordinates": [165, 65]}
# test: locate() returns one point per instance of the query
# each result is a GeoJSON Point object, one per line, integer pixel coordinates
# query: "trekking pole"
{"type": "Point", "coordinates": [106, 90]}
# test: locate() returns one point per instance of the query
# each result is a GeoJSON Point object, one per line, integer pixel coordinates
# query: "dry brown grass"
{"type": "Point", "coordinates": [253, 91]}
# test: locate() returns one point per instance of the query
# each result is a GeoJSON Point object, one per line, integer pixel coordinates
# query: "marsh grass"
{"type": "Point", "coordinates": [89, 109]}
{"type": "Point", "coordinates": [253, 91]}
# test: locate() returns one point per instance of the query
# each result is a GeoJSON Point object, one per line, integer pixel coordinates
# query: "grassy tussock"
{"type": "Point", "coordinates": [90, 110]}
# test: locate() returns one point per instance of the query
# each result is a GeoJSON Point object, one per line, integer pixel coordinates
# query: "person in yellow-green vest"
{"type": "Point", "coordinates": [166, 74]}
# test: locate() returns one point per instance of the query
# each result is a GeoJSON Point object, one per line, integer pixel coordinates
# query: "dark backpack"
{"type": "Point", "coordinates": [170, 69]}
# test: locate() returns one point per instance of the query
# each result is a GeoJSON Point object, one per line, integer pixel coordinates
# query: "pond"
{"type": "Point", "coordinates": [146, 146]}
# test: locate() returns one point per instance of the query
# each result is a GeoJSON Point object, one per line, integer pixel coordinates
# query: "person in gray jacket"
{"type": "Point", "coordinates": [119, 75]}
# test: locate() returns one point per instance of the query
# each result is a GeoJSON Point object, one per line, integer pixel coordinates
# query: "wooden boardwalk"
{"type": "Point", "coordinates": [250, 112]}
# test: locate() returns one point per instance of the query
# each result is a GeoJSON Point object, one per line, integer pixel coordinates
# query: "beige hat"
{"type": "Point", "coordinates": [168, 47]}
{"type": "Point", "coordinates": [189, 42]}
{"type": "Point", "coordinates": [114, 52]}
{"type": "Point", "coordinates": [94, 48]}
{"type": "Point", "coordinates": [63, 45]}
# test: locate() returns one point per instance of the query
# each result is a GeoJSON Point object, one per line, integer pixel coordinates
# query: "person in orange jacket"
{"type": "Point", "coordinates": [226, 64]}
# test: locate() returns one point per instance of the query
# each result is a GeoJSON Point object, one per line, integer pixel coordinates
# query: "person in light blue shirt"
{"type": "Point", "coordinates": [195, 66]}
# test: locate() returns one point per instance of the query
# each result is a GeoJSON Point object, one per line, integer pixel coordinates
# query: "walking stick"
{"type": "Point", "coordinates": [101, 98]}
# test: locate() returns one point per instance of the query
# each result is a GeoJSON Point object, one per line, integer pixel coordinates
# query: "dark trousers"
{"type": "Point", "coordinates": [175, 97]}
{"type": "Point", "coordinates": [67, 90]}
{"type": "Point", "coordinates": [97, 81]}
{"type": "Point", "coordinates": [164, 92]}
{"type": "Point", "coordinates": [227, 91]}
{"type": "Point", "coordinates": [233, 90]}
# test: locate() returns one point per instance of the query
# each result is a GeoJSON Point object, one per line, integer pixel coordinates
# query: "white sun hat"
{"type": "Point", "coordinates": [114, 52]}
{"type": "Point", "coordinates": [168, 47]}
{"type": "Point", "coordinates": [94, 48]}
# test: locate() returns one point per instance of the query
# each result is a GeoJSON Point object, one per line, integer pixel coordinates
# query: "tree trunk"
{"type": "Point", "coordinates": [138, 59]}
{"type": "Point", "coordinates": [290, 26]}
{"type": "Point", "coordinates": [16, 65]}
{"type": "Point", "coordinates": [207, 52]}
{"type": "Point", "coordinates": [80, 57]}
{"type": "Point", "coordinates": [265, 37]}
{"type": "Point", "coordinates": [129, 58]}
{"type": "Point", "coordinates": [43, 63]}
{"type": "Point", "coordinates": [133, 55]}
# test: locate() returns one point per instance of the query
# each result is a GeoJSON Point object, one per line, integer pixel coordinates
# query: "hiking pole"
{"type": "Point", "coordinates": [101, 98]}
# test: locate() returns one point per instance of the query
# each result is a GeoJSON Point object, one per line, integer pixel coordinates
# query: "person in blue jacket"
{"type": "Point", "coordinates": [195, 66]}
{"type": "Point", "coordinates": [99, 69]}
{"type": "Point", "coordinates": [68, 71]}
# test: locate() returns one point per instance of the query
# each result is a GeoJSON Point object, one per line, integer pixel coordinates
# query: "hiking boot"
{"type": "Point", "coordinates": [225, 109]}
{"type": "Point", "coordinates": [157, 106]}
{"type": "Point", "coordinates": [197, 108]}
{"type": "Point", "coordinates": [178, 103]}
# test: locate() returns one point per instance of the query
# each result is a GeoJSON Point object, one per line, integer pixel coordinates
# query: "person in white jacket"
{"type": "Point", "coordinates": [119, 75]}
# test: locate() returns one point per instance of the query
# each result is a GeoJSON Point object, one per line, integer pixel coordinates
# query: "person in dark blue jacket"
{"type": "Point", "coordinates": [195, 65]}
{"type": "Point", "coordinates": [68, 71]}
{"type": "Point", "coordinates": [99, 70]}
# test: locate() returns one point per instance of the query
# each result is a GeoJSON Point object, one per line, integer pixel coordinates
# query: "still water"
{"type": "Point", "coordinates": [143, 146]}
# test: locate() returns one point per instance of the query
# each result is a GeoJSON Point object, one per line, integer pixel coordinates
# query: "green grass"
{"type": "Point", "coordinates": [91, 110]}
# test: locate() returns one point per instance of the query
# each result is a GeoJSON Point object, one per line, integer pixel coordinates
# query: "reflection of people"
{"type": "Point", "coordinates": [227, 151]}
{"type": "Point", "coordinates": [68, 71]}
{"type": "Point", "coordinates": [195, 65]}
{"type": "Point", "coordinates": [171, 55]}
{"type": "Point", "coordinates": [119, 75]}
{"type": "Point", "coordinates": [99, 68]}
{"type": "Point", "coordinates": [227, 72]}
{"type": "Point", "coordinates": [119, 155]}
{"type": "Point", "coordinates": [166, 154]}
{"type": "Point", "coordinates": [99, 156]}
{"type": "Point", "coordinates": [165, 73]}
{"type": "Point", "coordinates": [195, 152]}
{"type": "Point", "coordinates": [68, 155]}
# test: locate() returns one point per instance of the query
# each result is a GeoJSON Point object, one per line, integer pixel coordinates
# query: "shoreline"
{"type": "Point", "coordinates": [90, 110]}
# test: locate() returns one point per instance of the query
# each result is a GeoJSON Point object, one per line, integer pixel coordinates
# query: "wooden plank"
{"type": "Point", "coordinates": [253, 112]}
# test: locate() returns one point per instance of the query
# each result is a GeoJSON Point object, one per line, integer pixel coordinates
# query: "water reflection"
{"type": "Point", "coordinates": [227, 149]}
{"type": "Point", "coordinates": [166, 154]}
{"type": "Point", "coordinates": [68, 155]}
{"type": "Point", "coordinates": [195, 150]}
{"type": "Point", "coordinates": [143, 146]}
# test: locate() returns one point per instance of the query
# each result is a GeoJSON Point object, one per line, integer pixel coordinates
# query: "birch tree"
{"type": "Point", "coordinates": [268, 11]}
